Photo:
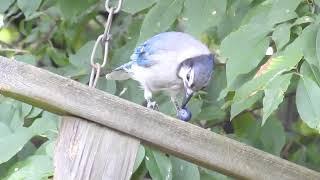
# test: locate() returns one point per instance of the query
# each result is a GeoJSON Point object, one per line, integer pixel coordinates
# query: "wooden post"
{"type": "Point", "coordinates": [200, 146]}
{"type": "Point", "coordinates": [85, 150]}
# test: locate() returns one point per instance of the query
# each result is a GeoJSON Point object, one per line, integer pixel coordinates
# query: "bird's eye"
{"type": "Point", "coordinates": [188, 77]}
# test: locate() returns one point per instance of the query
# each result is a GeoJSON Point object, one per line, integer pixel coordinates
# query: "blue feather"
{"type": "Point", "coordinates": [124, 67]}
{"type": "Point", "coordinates": [140, 55]}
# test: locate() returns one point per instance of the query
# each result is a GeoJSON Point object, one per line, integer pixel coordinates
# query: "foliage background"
{"type": "Point", "coordinates": [279, 91]}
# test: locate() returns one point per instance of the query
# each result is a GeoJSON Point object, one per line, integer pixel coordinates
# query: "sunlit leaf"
{"type": "Point", "coordinates": [274, 94]}
{"type": "Point", "coordinates": [244, 49]}
{"type": "Point", "coordinates": [274, 67]}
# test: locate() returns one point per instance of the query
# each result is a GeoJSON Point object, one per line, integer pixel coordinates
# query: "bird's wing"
{"type": "Point", "coordinates": [142, 55]}
{"type": "Point", "coordinates": [168, 46]}
{"type": "Point", "coordinates": [121, 72]}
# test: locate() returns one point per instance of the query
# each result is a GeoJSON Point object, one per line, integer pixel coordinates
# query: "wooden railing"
{"type": "Point", "coordinates": [100, 133]}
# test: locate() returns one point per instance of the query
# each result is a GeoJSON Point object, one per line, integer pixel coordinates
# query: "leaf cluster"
{"type": "Point", "coordinates": [266, 79]}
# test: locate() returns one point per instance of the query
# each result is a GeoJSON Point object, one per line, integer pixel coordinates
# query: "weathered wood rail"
{"type": "Point", "coordinates": [69, 98]}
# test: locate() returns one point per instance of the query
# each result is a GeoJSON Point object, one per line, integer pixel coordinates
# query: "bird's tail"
{"type": "Point", "coordinates": [118, 75]}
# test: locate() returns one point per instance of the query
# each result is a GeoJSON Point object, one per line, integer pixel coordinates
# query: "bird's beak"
{"type": "Point", "coordinates": [187, 97]}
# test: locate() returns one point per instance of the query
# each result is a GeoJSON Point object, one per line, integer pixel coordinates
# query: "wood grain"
{"type": "Point", "coordinates": [86, 150]}
{"type": "Point", "coordinates": [64, 96]}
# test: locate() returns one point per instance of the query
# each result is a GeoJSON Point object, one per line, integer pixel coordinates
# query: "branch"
{"type": "Point", "coordinates": [205, 148]}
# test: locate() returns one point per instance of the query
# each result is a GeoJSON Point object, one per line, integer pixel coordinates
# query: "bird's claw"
{"type": "Point", "coordinates": [153, 105]}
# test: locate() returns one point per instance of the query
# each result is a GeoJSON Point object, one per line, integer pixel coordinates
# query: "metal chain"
{"type": "Point", "coordinates": [104, 39]}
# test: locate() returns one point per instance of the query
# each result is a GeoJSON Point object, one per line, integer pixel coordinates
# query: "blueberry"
{"type": "Point", "coordinates": [184, 114]}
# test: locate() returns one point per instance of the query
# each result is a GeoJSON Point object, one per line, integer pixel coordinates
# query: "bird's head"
{"type": "Point", "coordinates": [195, 73]}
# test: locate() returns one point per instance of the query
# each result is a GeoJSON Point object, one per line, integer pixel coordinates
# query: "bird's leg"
{"type": "Point", "coordinates": [150, 104]}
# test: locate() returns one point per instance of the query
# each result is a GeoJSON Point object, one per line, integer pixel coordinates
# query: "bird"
{"type": "Point", "coordinates": [170, 62]}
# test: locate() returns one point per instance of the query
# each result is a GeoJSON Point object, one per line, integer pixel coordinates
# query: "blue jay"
{"type": "Point", "coordinates": [171, 62]}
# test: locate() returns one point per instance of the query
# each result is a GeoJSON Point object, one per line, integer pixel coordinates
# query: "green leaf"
{"type": "Point", "coordinates": [304, 129]}
{"type": "Point", "coordinates": [7, 112]}
{"type": "Point", "coordinates": [243, 104]}
{"type": "Point", "coordinates": [284, 61]}
{"type": "Point", "coordinates": [16, 141]}
{"type": "Point", "coordinates": [247, 129]}
{"type": "Point", "coordinates": [72, 9]}
{"type": "Point", "coordinates": [217, 83]}
{"type": "Point", "coordinates": [195, 107]}
{"type": "Point", "coordinates": [34, 167]}
{"type": "Point", "coordinates": [309, 43]}
{"type": "Point", "coordinates": [27, 58]}
{"type": "Point", "coordinates": [270, 137]}
{"type": "Point", "coordinates": [183, 170]}
{"type": "Point", "coordinates": [206, 174]}
{"type": "Point", "coordinates": [281, 35]}
{"type": "Point", "coordinates": [128, 90]}
{"type": "Point", "coordinates": [258, 13]}
{"type": "Point", "coordinates": [283, 10]}
{"type": "Point", "coordinates": [159, 165]}
{"type": "Point", "coordinates": [229, 21]}
{"type": "Point", "coordinates": [132, 6]}
{"type": "Point", "coordinates": [244, 49]}
{"type": "Point", "coordinates": [310, 71]}
{"type": "Point", "coordinates": [318, 46]}
{"type": "Point", "coordinates": [139, 158]}
{"type": "Point", "coordinates": [160, 18]}
{"type": "Point", "coordinates": [1, 21]}
{"type": "Point", "coordinates": [107, 85]}
{"type": "Point", "coordinates": [274, 94]}
{"type": "Point", "coordinates": [57, 56]}
{"type": "Point", "coordinates": [82, 57]}
{"type": "Point", "coordinates": [122, 55]}
{"type": "Point", "coordinates": [198, 16]}
{"type": "Point", "coordinates": [273, 136]}
{"type": "Point", "coordinates": [5, 5]}
{"type": "Point", "coordinates": [42, 125]}
{"type": "Point", "coordinates": [25, 109]}
{"type": "Point", "coordinates": [46, 148]}
{"type": "Point", "coordinates": [13, 143]}
{"type": "Point", "coordinates": [308, 102]}
{"type": "Point", "coordinates": [28, 7]}
{"type": "Point", "coordinates": [302, 20]}
{"type": "Point", "coordinates": [166, 106]}
{"type": "Point", "coordinates": [4, 130]}
{"type": "Point", "coordinates": [210, 113]}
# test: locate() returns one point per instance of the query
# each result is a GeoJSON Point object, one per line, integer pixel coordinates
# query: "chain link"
{"type": "Point", "coordinates": [108, 8]}
{"type": "Point", "coordinates": [104, 39]}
